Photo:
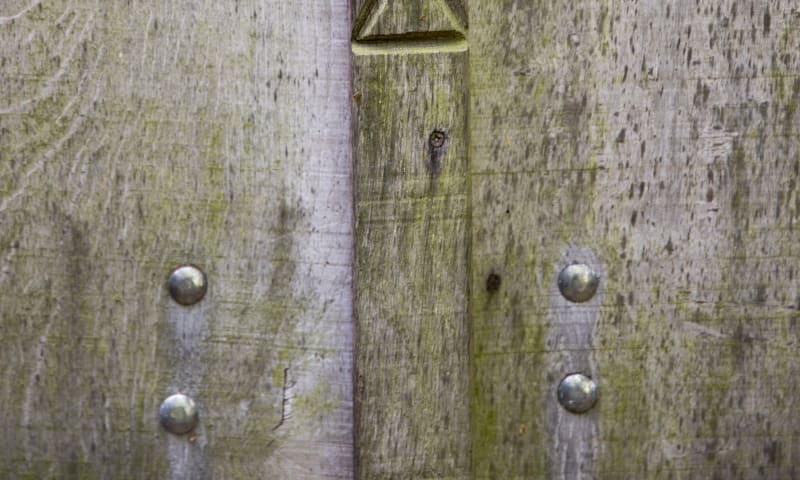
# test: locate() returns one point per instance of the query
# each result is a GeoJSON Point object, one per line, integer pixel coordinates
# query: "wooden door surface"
{"type": "Point", "coordinates": [383, 196]}
{"type": "Point", "coordinates": [136, 136]}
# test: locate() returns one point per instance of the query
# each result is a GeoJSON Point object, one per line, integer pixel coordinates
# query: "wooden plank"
{"type": "Point", "coordinates": [412, 366]}
{"type": "Point", "coordinates": [662, 137]}
{"type": "Point", "coordinates": [135, 136]}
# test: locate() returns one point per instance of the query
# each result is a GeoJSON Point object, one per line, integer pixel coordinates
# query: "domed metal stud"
{"type": "Point", "coordinates": [178, 414]}
{"type": "Point", "coordinates": [187, 284]}
{"type": "Point", "coordinates": [577, 393]}
{"type": "Point", "coordinates": [578, 283]}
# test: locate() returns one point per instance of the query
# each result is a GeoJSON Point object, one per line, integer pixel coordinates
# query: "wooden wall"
{"type": "Point", "coordinates": [382, 195]}
{"type": "Point", "coordinates": [656, 142]}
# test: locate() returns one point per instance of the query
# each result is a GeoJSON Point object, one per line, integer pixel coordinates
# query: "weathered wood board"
{"type": "Point", "coordinates": [136, 136]}
{"type": "Point", "coordinates": [662, 137]}
{"type": "Point", "coordinates": [656, 141]}
{"type": "Point", "coordinates": [411, 210]}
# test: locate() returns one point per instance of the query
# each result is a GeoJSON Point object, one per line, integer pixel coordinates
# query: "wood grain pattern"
{"type": "Point", "coordinates": [412, 365]}
{"type": "Point", "coordinates": [663, 138]}
{"type": "Point", "coordinates": [135, 136]}
{"type": "Point", "coordinates": [656, 140]}
{"type": "Point", "coordinates": [383, 19]}
{"type": "Point", "coordinates": [410, 13]}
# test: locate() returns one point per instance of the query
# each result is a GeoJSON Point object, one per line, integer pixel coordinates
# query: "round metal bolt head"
{"type": "Point", "coordinates": [578, 283]}
{"type": "Point", "coordinates": [187, 284]}
{"type": "Point", "coordinates": [577, 393]}
{"type": "Point", "coordinates": [178, 414]}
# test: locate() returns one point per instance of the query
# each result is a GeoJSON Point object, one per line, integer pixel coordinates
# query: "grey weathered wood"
{"type": "Point", "coordinates": [571, 336]}
{"type": "Point", "coordinates": [412, 365]}
{"type": "Point", "coordinates": [135, 136]}
{"type": "Point", "coordinates": [663, 138]}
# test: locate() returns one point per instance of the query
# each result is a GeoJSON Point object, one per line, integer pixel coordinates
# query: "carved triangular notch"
{"type": "Point", "coordinates": [382, 20]}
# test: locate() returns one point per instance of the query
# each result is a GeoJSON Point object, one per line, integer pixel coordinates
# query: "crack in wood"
{"type": "Point", "coordinates": [286, 405]}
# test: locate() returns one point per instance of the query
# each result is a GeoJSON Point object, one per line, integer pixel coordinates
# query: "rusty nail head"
{"type": "Point", "coordinates": [437, 139]}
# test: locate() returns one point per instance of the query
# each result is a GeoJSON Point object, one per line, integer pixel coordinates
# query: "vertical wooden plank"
{"type": "Point", "coordinates": [412, 363]}
{"type": "Point", "coordinates": [135, 136]}
{"type": "Point", "coordinates": [662, 138]}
